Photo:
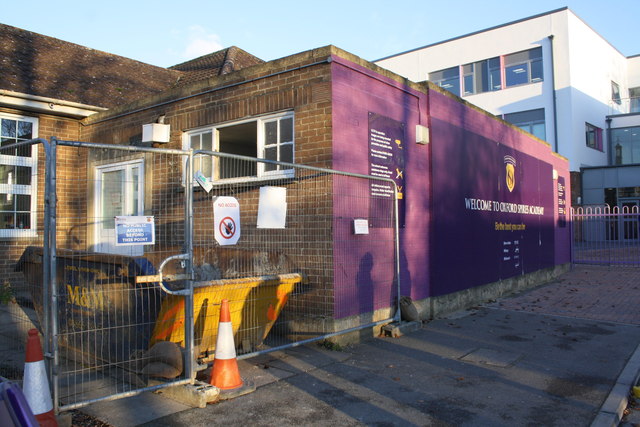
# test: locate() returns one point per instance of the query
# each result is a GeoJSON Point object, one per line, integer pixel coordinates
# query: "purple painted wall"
{"type": "Point", "coordinates": [484, 231]}
{"type": "Point", "coordinates": [446, 246]}
{"type": "Point", "coordinates": [358, 91]}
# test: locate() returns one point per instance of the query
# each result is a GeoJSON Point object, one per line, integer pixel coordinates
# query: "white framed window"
{"type": "Point", "coordinates": [268, 137]}
{"type": "Point", "coordinates": [18, 176]}
{"type": "Point", "coordinates": [119, 191]}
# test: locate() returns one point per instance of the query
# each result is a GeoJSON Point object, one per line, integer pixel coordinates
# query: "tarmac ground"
{"type": "Point", "coordinates": [562, 354]}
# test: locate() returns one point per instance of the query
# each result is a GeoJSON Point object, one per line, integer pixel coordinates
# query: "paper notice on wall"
{"type": "Point", "coordinates": [272, 207]}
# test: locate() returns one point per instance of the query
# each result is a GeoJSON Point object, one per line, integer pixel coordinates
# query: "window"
{"type": "Point", "coordinates": [625, 145]}
{"type": "Point", "coordinates": [532, 121]}
{"type": "Point", "coordinates": [593, 136]}
{"type": "Point", "coordinates": [523, 67]}
{"type": "Point", "coordinates": [482, 76]}
{"type": "Point", "coordinates": [448, 79]}
{"type": "Point", "coordinates": [269, 137]}
{"type": "Point", "coordinates": [634, 95]}
{"type": "Point", "coordinates": [17, 175]}
{"type": "Point", "coordinates": [615, 93]}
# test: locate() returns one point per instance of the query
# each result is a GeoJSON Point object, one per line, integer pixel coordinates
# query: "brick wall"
{"type": "Point", "coordinates": [12, 248]}
{"type": "Point", "coordinates": [291, 84]}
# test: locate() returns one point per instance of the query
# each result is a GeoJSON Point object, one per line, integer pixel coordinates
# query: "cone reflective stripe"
{"type": "Point", "coordinates": [225, 374]}
{"type": "Point", "coordinates": [35, 385]}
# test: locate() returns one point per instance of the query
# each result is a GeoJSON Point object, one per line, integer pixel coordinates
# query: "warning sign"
{"type": "Point", "coordinates": [226, 215]}
{"type": "Point", "coordinates": [135, 230]}
{"type": "Point", "coordinates": [227, 228]}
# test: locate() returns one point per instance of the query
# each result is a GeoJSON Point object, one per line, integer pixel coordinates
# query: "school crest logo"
{"type": "Point", "coordinates": [510, 166]}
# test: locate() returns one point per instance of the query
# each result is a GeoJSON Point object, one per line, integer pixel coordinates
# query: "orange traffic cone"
{"type": "Point", "coordinates": [225, 374]}
{"type": "Point", "coordinates": [35, 385]}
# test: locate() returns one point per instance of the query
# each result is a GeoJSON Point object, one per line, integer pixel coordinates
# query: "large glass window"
{"type": "Point", "coordinates": [625, 145]}
{"type": "Point", "coordinates": [615, 93]}
{"type": "Point", "coordinates": [634, 95]}
{"type": "Point", "coordinates": [270, 138]}
{"type": "Point", "coordinates": [593, 136]}
{"type": "Point", "coordinates": [17, 175]}
{"type": "Point", "coordinates": [532, 121]}
{"type": "Point", "coordinates": [523, 67]}
{"type": "Point", "coordinates": [482, 76]}
{"type": "Point", "coordinates": [448, 79]}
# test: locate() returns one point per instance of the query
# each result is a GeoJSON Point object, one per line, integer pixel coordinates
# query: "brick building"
{"type": "Point", "coordinates": [483, 203]}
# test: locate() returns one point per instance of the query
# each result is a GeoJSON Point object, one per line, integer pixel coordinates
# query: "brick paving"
{"type": "Point", "coordinates": [589, 292]}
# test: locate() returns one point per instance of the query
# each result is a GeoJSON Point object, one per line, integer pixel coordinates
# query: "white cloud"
{"type": "Point", "coordinates": [200, 42]}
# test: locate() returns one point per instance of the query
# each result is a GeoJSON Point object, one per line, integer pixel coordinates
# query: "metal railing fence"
{"type": "Point", "coordinates": [121, 319]}
{"type": "Point", "coordinates": [601, 235]}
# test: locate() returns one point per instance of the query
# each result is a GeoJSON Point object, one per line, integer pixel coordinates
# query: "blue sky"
{"type": "Point", "coordinates": [166, 33]}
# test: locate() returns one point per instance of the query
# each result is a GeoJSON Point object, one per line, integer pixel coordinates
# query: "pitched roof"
{"type": "Point", "coordinates": [35, 64]}
{"type": "Point", "coordinates": [215, 64]}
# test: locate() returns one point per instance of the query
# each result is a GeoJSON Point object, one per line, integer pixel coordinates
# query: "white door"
{"type": "Point", "coordinates": [120, 191]}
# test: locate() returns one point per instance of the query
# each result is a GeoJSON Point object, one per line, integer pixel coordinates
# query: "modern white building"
{"type": "Point", "coordinates": [552, 75]}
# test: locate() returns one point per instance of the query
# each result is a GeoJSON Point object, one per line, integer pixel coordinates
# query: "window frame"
{"type": "Point", "coordinates": [261, 146]}
{"type": "Point", "coordinates": [597, 140]}
{"type": "Point", "coordinates": [529, 123]}
{"type": "Point", "coordinates": [615, 93]}
{"type": "Point", "coordinates": [444, 79]}
{"type": "Point", "coordinates": [634, 99]}
{"type": "Point", "coordinates": [529, 62]}
{"type": "Point", "coordinates": [481, 76]}
{"type": "Point", "coordinates": [22, 189]}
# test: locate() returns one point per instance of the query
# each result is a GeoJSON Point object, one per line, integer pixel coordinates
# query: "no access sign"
{"type": "Point", "coordinates": [135, 230]}
{"type": "Point", "coordinates": [226, 218]}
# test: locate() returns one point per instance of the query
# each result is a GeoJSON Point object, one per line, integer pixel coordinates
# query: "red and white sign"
{"type": "Point", "coordinates": [226, 215]}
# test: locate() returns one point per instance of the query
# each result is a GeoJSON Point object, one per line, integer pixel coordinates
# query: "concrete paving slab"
{"type": "Point", "coordinates": [408, 381]}
{"type": "Point", "coordinates": [134, 410]}
{"type": "Point", "coordinates": [530, 361]}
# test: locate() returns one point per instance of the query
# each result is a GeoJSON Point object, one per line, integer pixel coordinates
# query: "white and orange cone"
{"type": "Point", "coordinates": [35, 385]}
{"type": "Point", "coordinates": [225, 374]}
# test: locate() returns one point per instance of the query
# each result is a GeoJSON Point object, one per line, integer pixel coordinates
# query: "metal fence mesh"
{"type": "Point", "coordinates": [338, 277]}
{"type": "Point", "coordinates": [21, 220]}
{"type": "Point", "coordinates": [104, 318]}
{"type": "Point", "coordinates": [125, 318]}
{"type": "Point", "coordinates": [606, 236]}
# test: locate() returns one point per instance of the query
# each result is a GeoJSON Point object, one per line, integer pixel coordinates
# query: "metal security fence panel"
{"type": "Point", "coordinates": [606, 236]}
{"type": "Point", "coordinates": [134, 249]}
{"type": "Point", "coordinates": [120, 212]}
{"type": "Point", "coordinates": [280, 242]}
{"type": "Point", "coordinates": [22, 223]}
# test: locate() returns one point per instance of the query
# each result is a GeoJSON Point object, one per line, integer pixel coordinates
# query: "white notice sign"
{"type": "Point", "coordinates": [272, 207]}
{"type": "Point", "coordinates": [360, 226]}
{"type": "Point", "coordinates": [135, 230]}
{"type": "Point", "coordinates": [226, 218]}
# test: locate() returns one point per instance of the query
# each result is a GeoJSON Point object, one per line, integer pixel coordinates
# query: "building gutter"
{"type": "Point", "coordinates": [44, 104]}
{"type": "Point", "coordinates": [555, 106]}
